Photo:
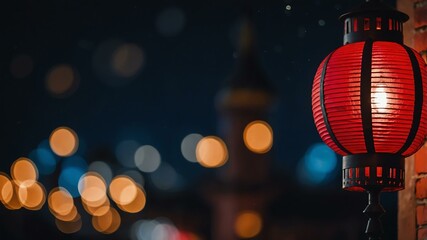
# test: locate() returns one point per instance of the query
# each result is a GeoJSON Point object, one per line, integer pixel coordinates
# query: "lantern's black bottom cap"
{"type": "Point", "coordinates": [379, 171]}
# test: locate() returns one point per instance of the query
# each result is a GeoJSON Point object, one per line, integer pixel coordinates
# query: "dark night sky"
{"type": "Point", "coordinates": [160, 100]}
{"type": "Point", "coordinates": [173, 94]}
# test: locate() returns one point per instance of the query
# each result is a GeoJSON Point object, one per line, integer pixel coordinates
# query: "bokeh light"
{"type": "Point", "coordinates": [185, 235]}
{"type": "Point", "coordinates": [10, 195]}
{"type": "Point", "coordinates": [71, 216]}
{"type": "Point", "coordinates": [63, 141]}
{"type": "Point", "coordinates": [320, 158]}
{"type": "Point", "coordinates": [107, 223]}
{"type": "Point", "coordinates": [21, 66]}
{"type": "Point", "coordinates": [24, 170]}
{"type": "Point", "coordinates": [127, 60]}
{"type": "Point", "coordinates": [98, 210]}
{"type": "Point", "coordinates": [165, 230]}
{"type": "Point", "coordinates": [7, 191]}
{"type": "Point", "coordinates": [4, 180]}
{"type": "Point", "coordinates": [103, 169]}
{"type": "Point", "coordinates": [142, 229]}
{"type": "Point", "coordinates": [166, 178]}
{"type": "Point", "coordinates": [318, 164]}
{"type": "Point", "coordinates": [188, 146]}
{"type": "Point", "coordinates": [125, 152]}
{"type": "Point", "coordinates": [32, 195]}
{"type": "Point", "coordinates": [170, 22]}
{"type": "Point", "coordinates": [138, 204]}
{"type": "Point", "coordinates": [72, 169]}
{"type": "Point", "coordinates": [69, 227]}
{"type": "Point", "coordinates": [44, 159]}
{"type": "Point", "coordinates": [321, 22]}
{"type": "Point", "coordinates": [258, 136]}
{"type": "Point", "coordinates": [116, 63]}
{"type": "Point", "coordinates": [123, 190]}
{"type": "Point", "coordinates": [103, 222]}
{"type": "Point", "coordinates": [115, 225]}
{"type": "Point", "coordinates": [92, 189]}
{"type": "Point", "coordinates": [211, 152]}
{"type": "Point", "coordinates": [136, 176]}
{"type": "Point", "coordinates": [159, 229]}
{"type": "Point", "coordinates": [60, 202]}
{"type": "Point", "coordinates": [62, 80]}
{"type": "Point", "coordinates": [147, 158]}
{"type": "Point", "coordinates": [248, 224]}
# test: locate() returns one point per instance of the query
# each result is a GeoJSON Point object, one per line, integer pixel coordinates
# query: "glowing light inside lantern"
{"type": "Point", "coordinates": [380, 100]}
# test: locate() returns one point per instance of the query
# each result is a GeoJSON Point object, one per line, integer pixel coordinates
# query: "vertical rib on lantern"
{"type": "Point", "coordinates": [393, 90]}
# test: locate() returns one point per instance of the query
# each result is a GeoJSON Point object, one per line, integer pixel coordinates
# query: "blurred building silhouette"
{"type": "Point", "coordinates": [245, 184]}
{"type": "Point", "coordinates": [248, 183]}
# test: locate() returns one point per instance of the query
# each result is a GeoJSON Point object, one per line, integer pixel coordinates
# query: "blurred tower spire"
{"type": "Point", "coordinates": [248, 77]}
{"type": "Point", "coordinates": [244, 183]}
{"type": "Point", "coordinates": [247, 96]}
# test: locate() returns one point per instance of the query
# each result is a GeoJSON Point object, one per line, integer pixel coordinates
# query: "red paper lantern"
{"type": "Point", "coordinates": [369, 98]}
{"type": "Point", "coordinates": [369, 103]}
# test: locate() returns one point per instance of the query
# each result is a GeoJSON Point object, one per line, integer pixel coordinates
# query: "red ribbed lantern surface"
{"type": "Point", "coordinates": [369, 104]}
{"type": "Point", "coordinates": [369, 99]}
{"type": "Point", "coordinates": [392, 93]}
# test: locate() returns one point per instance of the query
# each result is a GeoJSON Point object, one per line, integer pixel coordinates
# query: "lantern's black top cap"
{"type": "Point", "coordinates": [377, 8]}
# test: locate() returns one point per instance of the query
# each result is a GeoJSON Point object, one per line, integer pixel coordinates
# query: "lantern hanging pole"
{"type": "Point", "coordinates": [374, 211]}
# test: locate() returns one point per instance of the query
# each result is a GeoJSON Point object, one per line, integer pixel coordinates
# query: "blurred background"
{"type": "Point", "coordinates": [170, 120]}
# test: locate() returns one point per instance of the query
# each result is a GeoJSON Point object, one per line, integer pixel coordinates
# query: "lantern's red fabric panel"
{"type": "Point", "coordinates": [392, 99]}
{"type": "Point", "coordinates": [392, 96]}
